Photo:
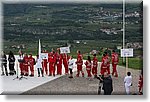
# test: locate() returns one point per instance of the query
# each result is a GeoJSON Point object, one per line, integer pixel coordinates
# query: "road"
{"type": "Point", "coordinates": [82, 86]}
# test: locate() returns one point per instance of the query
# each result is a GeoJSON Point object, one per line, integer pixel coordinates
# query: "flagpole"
{"type": "Point", "coordinates": [39, 52]}
{"type": "Point", "coordinates": [123, 27]}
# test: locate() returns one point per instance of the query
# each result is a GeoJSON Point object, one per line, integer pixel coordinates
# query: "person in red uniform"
{"type": "Point", "coordinates": [31, 64]}
{"type": "Point", "coordinates": [59, 64]}
{"type": "Point", "coordinates": [55, 54]}
{"type": "Point", "coordinates": [104, 64]}
{"type": "Point", "coordinates": [95, 63]}
{"type": "Point", "coordinates": [51, 61]}
{"type": "Point", "coordinates": [115, 60]}
{"type": "Point", "coordinates": [88, 64]}
{"type": "Point", "coordinates": [65, 62]}
{"type": "Point", "coordinates": [26, 64]}
{"type": "Point", "coordinates": [108, 62]}
{"type": "Point", "coordinates": [140, 83]}
{"type": "Point", "coordinates": [79, 63]}
{"type": "Point", "coordinates": [44, 64]}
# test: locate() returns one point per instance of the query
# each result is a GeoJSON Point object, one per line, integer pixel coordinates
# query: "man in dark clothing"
{"type": "Point", "coordinates": [107, 83]}
{"type": "Point", "coordinates": [11, 59]}
{"type": "Point", "coordinates": [4, 63]}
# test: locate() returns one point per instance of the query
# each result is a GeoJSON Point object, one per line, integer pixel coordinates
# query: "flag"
{"type": "Point", "coordinates": [39, 48]}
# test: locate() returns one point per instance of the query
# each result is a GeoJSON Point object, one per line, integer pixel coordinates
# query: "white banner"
{"type": "Point", "coordinates": [64, 50]}
{"type": "Point", "coordinates": [127, 52]}
{"type": "Point", "coordinates": [44, 55]}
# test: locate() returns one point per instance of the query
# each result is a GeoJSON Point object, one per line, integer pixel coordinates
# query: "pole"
{"type": "Point", "coordinates": [123, 27]}
{"type": "Point", "coordinates": [126, 64]}
{"type": "Point", "coordinates": [39, 49]}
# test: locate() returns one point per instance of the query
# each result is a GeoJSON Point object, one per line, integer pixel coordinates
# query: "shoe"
{"type": "Point", "coordinates": [22, 74]}
{"type": "Point", "coordinates": [38, 75]}
{"type": "Point", "coordinates": [31, 75]}
{"type": "Point", "coordinates": [26, 75]}
{"type": "Point", "coordinates": [49, 75]}
{"type": "Point", "coordinates": [11, 74]}
{"type": "Point", "coordinates": [70, 76]}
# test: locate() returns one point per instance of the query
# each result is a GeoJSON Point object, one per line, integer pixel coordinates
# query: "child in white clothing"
{"type": "Point", "coordinates": [39, 66]}
{"type": "Point", "coordinates": [70, 66]}
{"type": "Point", "coordinates": [128, 82]}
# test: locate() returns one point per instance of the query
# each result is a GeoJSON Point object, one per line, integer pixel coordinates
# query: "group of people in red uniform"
{"type": "Point", "coordinates": [91, 67]}
{"type": "Point", "coordinates": [105, 66]}
{"type": "Point", "coordinates": [55, 61]}
{"type": "Point", "coordinates": [26, 63]}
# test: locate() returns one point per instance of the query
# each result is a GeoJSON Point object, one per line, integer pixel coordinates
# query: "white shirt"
{"type": "Point", "coordinates": [71, 63]}
{"type": "Point", "coordinates": [38, 63]}
{"type": "Point", "coordinates": [128, 80]}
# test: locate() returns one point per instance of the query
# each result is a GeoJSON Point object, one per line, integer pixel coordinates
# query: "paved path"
{"type": "Point", "coordinates": [81, 85]}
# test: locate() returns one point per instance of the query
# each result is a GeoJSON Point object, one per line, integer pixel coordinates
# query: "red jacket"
{"type": "Point", "coordinates": [59, 59]}
{"type": "Point", "coordinates": [104, 62]}
{"type": "Point", "coordinates": [79, 59]}
{"type": "Point", "coordinates": [49, 56]}
{"type": "Point", "coordinates": [31, 60]}
{"type": "Point", "coordinates": [26, 60]}
{"type": "Point", "coordinates": [108, 60]}
{"type": "Point", "coordinates": [88, 65]}
{"type": "Point", "coordinates": [115, 58]}
{"type": "Point", "coordinates": [51, 60]}
{"type": "Point", "coordinates": [95, 62]}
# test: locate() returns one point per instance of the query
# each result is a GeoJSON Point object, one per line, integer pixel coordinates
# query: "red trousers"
{"type": "Point", "coordinates": [108, 69]}
{"type": "Point", "coordinates": [51, 69]}
{"type": "Point", "coordinates": [59, 69]}
{"type": "Point", "coordinates": [114, 69]}
{"type": "Point", "coordinates": [79, 69]}
{"type": "Point", "coordinates": [94, 70]}
{"type": "Point", "coordinates": [89, 73]}
{"type": "Point", "coordinates": [22, 68]}
{"type": "Point", "coordinates": [66, 67]}
{"type": "Point", "coordinates": [103, 70]}
{"type": "Point", "coordinates": [44, 67]}
{"type": "Point", "coordinates": [32, 69]}
{"type": "Point", "coordinates": [26, 69]}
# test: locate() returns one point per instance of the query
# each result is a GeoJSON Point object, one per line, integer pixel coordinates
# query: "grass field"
{"type": "Point", "coordinates": [134, 63]}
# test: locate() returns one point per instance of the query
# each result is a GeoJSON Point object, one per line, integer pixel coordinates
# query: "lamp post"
{"type": "Point", "coordinates": [123, 39]}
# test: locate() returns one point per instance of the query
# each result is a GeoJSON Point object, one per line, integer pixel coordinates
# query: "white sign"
{"type": "Point", "coordinates": [64, 50]}
{"type": "Point", "coordinates": [44, 55]}
{"type": "Point", "coordinates": [127, 52]}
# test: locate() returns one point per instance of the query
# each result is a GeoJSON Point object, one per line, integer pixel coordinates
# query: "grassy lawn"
{"type": "Point", "coordinates": [135, 63]}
